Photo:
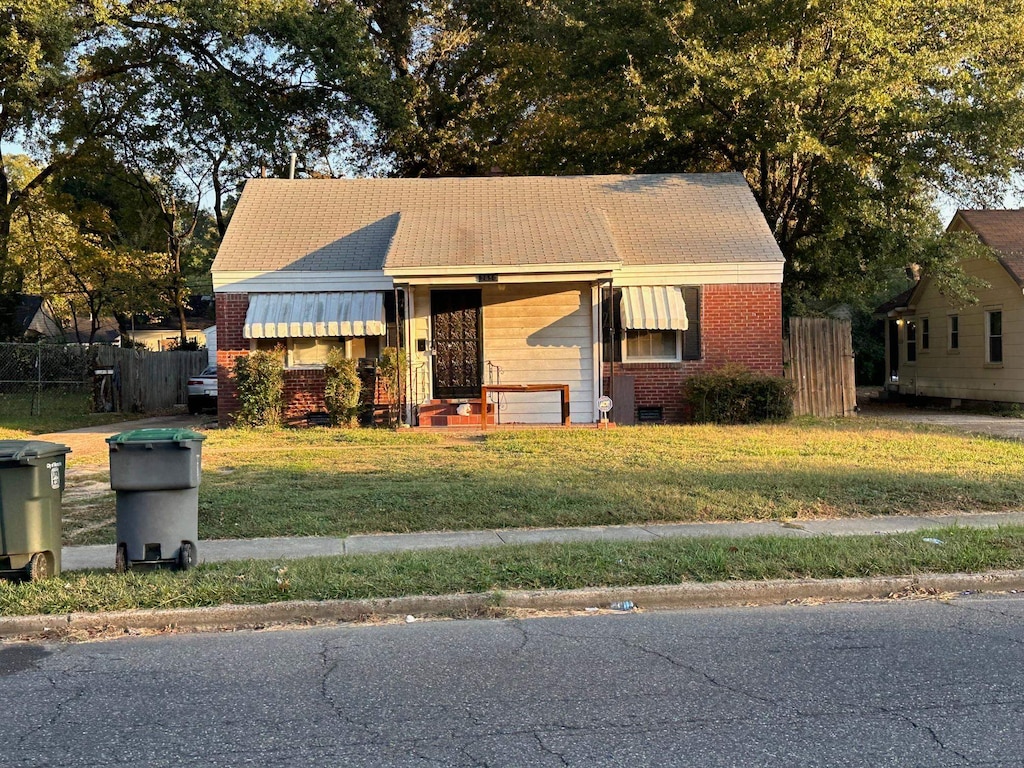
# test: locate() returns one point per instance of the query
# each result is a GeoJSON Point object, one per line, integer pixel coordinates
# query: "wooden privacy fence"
{"type": "Point", "coordinates": [818, 358]}
{"type": "Point", "coordinates": [146, 381]}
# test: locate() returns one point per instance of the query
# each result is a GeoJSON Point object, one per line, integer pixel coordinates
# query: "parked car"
{"type": "Point", "coordinates": [202, 390]}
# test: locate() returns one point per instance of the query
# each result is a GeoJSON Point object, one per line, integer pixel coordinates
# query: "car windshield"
{"type": "Point", "coordinates": [211, 371]}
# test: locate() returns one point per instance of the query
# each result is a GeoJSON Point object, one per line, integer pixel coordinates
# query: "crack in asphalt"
{"type": "Point", "coordinates": [933, 736]}
{"type": "Point", "coordinates": [519, 627]}
{"type": "Point", "coordinates": [550, 750]}
{"type": "Point", "coordinates": [327, 668]}
{"type": "Point", "coordinates": [56, 713]}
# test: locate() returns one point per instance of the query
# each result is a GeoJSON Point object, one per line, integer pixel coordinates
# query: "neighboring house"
{"type": "Point", "coordinates": [32, 319]}
{"type": "Point", "coordinates": [164, 336]}
{"type": "Point", "coordinates": [210, 337]}
{"type": "Point", "coordinates": [975, 352]}
{"type": "Point", "coordinates": [619, 285]}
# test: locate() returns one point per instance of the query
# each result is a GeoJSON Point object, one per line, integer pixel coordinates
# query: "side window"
{"type": "Point", "coordinates": [954, 332]}
{"type": "Point", "coordinates": [911, 341]}
{"type": "Point", "coordinates": [994, 336]}
{"type": "Point", "coordinates": [925, 334]}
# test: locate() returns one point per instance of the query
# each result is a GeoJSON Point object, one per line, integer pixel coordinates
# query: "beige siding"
{"type": "Point", "coordinates": [963, 373]}
{"type": "Point", "coordinates": [420, 329]}
{"type": "Point", "coordinates": [541, 335]}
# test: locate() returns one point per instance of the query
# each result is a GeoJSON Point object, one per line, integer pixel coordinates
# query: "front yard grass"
{"type": "Point", "coordinates": [545, 566]}
{"type": "Point", "coordinates": [329, 482]}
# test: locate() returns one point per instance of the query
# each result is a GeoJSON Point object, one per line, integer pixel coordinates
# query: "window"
{"type": "Point", "coordinates": [994, 336]}
{"type": "Point", "coordinates": [924, 334]}
{"type": "Point", "coordinates": [652, 345]}
{"type": "Point", "coordinates": [301, 352]}
{"type": "Point", "coordinates": [911, 341]}
{"type": "Point", "coordinates": [691, 340]}
{"type": "Point", "coordinates": [954, 332]}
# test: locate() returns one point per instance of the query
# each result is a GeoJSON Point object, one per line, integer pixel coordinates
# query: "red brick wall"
{"type": "Point", "coordinates": [303, 389]}
{"type": "Point", "coordinates": [231, 308]}
{"type": "Point", "coordinates": [739, 324]}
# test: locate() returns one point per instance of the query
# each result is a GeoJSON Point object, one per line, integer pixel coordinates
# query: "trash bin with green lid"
{"type": "Point", "coordinates": [31, 482]}
{"type": "Point", "coordinates": [155, 474]}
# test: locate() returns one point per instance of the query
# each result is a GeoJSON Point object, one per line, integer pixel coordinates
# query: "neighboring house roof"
{"type": "Point", "coordinates": [107, 332]}
{"type": "Point", "coordinates": [402, 224]}
{"type": "Point", "coordinates": [896, 302]}
{"type": "Point", "coordinates": [1002, 231]}
{"type": "Point", "coordinates": [26, 311]}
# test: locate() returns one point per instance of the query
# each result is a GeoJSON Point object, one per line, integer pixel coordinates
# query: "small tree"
{"type": "Point", "coordinates": [341, 393]}
{"type": "Point", "coordinates": [260, 378]}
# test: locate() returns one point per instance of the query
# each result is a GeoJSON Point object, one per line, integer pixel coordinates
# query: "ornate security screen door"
{"type": "Point", "coordinates": [455, 320]}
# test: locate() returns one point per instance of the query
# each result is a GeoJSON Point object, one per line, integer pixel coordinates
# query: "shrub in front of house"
{"type": "Point", "coordinates": [260, 380]}
{"type": "Point", "coordinates": [734, 394]}
{"type": "Point", "coordinates": [342, 390]}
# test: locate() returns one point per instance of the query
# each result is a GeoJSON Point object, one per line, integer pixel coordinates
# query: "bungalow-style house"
{"type": "Point", "coordinates": [974, 352]}
{"type": "Point", "coordinates": [617, 286]}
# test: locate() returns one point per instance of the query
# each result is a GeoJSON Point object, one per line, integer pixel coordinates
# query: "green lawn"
{"type": "Point", "coordinates": [338, 482]}
{"type": "Point", "coordinates": [547, 566]}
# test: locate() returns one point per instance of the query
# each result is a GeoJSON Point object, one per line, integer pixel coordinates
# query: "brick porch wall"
{"type": "Point", "coordinates": [739, 324]}
{"type": "Point", "coordinates": [303, 390]}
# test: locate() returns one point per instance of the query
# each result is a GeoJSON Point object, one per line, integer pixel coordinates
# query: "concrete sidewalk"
{"type": "Point", "coordinates": [223, 550]}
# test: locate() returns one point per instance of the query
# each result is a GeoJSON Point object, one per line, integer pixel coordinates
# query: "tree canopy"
{"type": "Point", "coordinates": [847, 117]}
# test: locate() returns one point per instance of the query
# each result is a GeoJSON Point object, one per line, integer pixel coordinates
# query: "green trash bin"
{"type": "Point", "coordinates": [155, 474]}
{"type": "Point", "coordinates": [31, 482]}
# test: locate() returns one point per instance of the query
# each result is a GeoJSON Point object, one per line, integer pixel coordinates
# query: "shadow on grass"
{"type": "Point", "coordinates": [251, 502]}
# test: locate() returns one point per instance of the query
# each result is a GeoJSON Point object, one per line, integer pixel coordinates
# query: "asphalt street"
{"type": "Point", "coordinates": [894, 683]}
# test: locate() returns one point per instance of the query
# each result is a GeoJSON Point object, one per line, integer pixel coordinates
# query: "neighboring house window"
{"type": "Point", "coordinates": [911, 341]}
{"type": "Point", "coordinates": [925, 333]}
{"type": "Point", "coordinates": [994, 336]}
{"type": "Point", "coordinates": [954, 332]}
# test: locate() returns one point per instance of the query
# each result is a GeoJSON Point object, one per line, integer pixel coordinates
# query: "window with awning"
{"type": "Point", "coordinates": [314, 315]}
{"type": "Point", "coordinates": [653, 308]}
{"type": "Point", "coordinates": [653, 320]}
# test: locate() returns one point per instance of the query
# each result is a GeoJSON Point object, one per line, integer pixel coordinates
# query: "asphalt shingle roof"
{"type": "Point", "coordinates": [1003, 231]}
{"type": "Point", "coordinates": [373, 224]}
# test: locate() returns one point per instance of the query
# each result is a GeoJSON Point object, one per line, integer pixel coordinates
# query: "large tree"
{"type": "Point", "coordinates": [847, 117]}
{"type": "Point", "coordinates": [189, 94]}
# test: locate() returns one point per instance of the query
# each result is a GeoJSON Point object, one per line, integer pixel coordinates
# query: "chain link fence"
{"type": "Point", "coordinates": [43, 380]}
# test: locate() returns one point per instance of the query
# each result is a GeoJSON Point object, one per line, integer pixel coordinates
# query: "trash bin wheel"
{"type": "Point", "coordinates": [39, 567]}
{"type": "Point", "coordinates": [121, 562]}
{"type": "Point", "coordinates": [186, 555]}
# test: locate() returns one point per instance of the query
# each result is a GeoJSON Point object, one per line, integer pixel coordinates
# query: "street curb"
{"type": "Point", "coordinates": [676, 596]}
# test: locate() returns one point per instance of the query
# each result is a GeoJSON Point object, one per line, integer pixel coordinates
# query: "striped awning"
{"type": "Point", "coordinates": [653, 308]}
{"type": "Point", "coordinates": [300, 315]}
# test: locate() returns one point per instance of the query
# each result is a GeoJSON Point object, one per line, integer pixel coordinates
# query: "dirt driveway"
{"type": "Point", "coordinates": [88, 502]}
{"type": "Point", "coordinates": [971, 423]}
{"type": "Point", "coordinates": [88, 443]}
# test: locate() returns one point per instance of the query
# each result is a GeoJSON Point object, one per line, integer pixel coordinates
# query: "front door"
{"type": "Point", "coordinates": [455, 321]}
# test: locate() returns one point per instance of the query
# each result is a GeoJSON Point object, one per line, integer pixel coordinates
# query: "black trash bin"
{"type": "Point", "coordinates": [155, 474]}
{"type": "Point", "coordinates": [31, 483]}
